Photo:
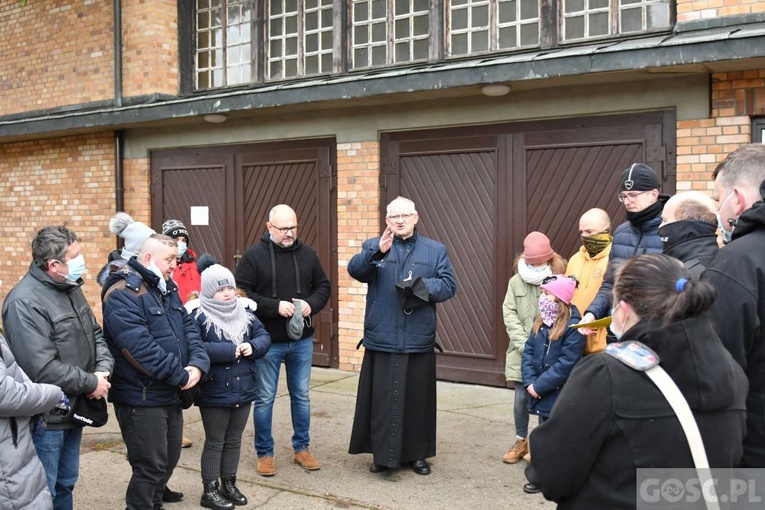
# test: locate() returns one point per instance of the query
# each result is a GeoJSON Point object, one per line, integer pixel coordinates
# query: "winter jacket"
{"type": "Point", "coordinates": [737, 272]}
{"type": "Point", "coordinates": [186, 275]}
{"type": "Point", "coordinates": [519, 309]}
{"type": "Point", "coordinates": [23, 483]}
{"type": "Point", "coordinates": [692, 242]}
{"type": "Point", "coordinates": [629, 241]}
{"type": "Point", "coordinates": [590, 272]}
{"type": "Point", "coordinates": [547, 363]}
{"type": "Point", "coordinates": [55, 337]}
{"type": "Point", "coordinates": [231, 380]}
{"type": "Point", "coordinates": [387, 326]}
{"type": "Point", "coordinates": [151, 337]}
{"type": "Point", "coordinates": [269, 273]}
{"type": "Point", "coordinates": [610, 419]}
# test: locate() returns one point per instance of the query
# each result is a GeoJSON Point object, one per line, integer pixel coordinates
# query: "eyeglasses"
{"type": "Point", "coordinates": [625, 197]}
{"type": "Point", "coordinates": [401, 217]}
{"type": "Point", "coordinates": [284, 230]}
{"type": "Point", "coordinates": [554, 277]}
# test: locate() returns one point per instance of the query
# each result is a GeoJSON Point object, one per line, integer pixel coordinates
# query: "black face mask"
{"type": "Point", "coordinates": [596, 243]}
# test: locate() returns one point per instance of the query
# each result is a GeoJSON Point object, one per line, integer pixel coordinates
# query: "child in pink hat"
{"type": "Point", "coordinates": [552, 349]}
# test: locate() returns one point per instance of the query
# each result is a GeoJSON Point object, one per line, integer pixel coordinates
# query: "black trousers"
{"type": "Point", "coordinates": [223, 440]}
{"type": "Point", "coordinates": [153, 439]}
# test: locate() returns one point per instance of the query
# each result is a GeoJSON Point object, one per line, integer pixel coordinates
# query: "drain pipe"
{"type": "Point", "coordinates": [119, 136]}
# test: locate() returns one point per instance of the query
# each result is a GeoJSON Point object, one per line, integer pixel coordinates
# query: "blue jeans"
{"type": "Point", "coordinates": [59, 452]}
{"type": "Point", "coordinates": [521, 410]}
{"type": "Point", "coordinates": [297, 358]}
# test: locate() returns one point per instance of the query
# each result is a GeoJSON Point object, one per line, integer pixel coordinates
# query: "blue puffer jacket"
{"type": "Point", "coordinates": [547, 364]}
{"type": "Point", "coordinates": [231, 380]}
{"type": "Point", "coordinates": [151, 337]}
{"type": "Point", "coordinates": [387, 327]}
{"type": "Point", "coordinates": [629, 241]}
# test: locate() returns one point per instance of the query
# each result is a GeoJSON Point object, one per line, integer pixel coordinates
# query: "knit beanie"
{"type": "Point", "coordinates": [536, 249]}
{"type": "Point", "coordinates": [175, 229]}
{"type": "Point", "coordinates": [214, 278]}
{"type": "Point", "coordinates": [560, 286]}
{"type": "Point", "coordinates": [639, 177]}
{"type": "Point", "coordinates": [133, 232]}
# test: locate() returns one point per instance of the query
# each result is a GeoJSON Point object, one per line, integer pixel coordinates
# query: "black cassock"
{"type": "Point", "coordinates": [395, 417]}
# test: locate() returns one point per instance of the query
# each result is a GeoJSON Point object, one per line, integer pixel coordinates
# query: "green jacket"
{"type": "Point", "coordinates": [519, 310]}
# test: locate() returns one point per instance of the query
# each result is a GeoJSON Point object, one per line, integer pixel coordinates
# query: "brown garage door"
{"type": "Point", "coordinates": [238, 185]}
{"type": "Point", "coordinates": [480, 190]}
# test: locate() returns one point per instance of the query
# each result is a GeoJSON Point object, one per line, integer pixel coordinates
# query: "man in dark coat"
{"type": "Point", "coordinates": [56, 340]}
{"type": "Point", "coordinates": [737, 272]}
{"type": "Point", "coordinates": [639, 192]}
{"type": "Point", "coordinates": [285, 278]}
{"type": "Point", "coordinates": [689, 230]}
{"type": "Point", "coordinates": [406, 274]}
{"type": "Point", "coordinates": [158, 352]}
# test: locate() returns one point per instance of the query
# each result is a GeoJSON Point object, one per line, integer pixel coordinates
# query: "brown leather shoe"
{"type": "Point", "coordinates": [185, 442]}
{"type": "Point", "coordinates": [516, 452]}
{"type": "Point", "coordinates": [266, 466]}
{"type": "Point", "coordinates": [306, 460]}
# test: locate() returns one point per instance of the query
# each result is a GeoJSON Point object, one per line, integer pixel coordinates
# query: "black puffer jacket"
{"type": "Point", "coordinates": [737, 272]}
{"type": "Point", "coordinates": [611, 419]}
{"type": "Point", "coordinates": [55, 337]}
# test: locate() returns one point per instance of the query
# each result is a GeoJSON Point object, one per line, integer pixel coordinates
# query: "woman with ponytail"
{"type": "Point", "coordinates": [611, 419]}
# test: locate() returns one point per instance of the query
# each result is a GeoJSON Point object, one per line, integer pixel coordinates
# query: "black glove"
{"type": "Point", "coordinates": [62, 407]}
{"type": "Point", "coordinates": [407, 291]}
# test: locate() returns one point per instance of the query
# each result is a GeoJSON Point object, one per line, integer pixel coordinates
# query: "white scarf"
{"type": "Point", "coordinates": [531, 276]}
{"type": "Point", "coordinates": [230, 319]}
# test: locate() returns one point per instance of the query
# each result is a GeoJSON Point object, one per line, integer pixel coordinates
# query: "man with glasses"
{"type": "Point", "coordinates": [406, 274]}
{"type": "Point", "coordinates": [55, 338]}
{"type": "Point", "coordinates": [639, 192]}
{"type": "Point", "coordinates": [285, 278]}
{"type": "Point", "coordinates": [737, 272]}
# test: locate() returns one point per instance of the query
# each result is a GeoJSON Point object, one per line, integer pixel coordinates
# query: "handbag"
{"type": "Point", "coordinates": [90, 412]}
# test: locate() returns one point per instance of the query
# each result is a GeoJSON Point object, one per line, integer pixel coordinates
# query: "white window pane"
{"type": "Point", "coordinates": [402, 28]}
{"type": "Point", "coordinates": [598, 24]}
{"type": "Point", "coordinates": [360, 12]}
{"type": "Point", "coordinates": [459, 19]}
{"type": "Point", "coordinates": [378, 32]}
{"type": "Point", "coordinates": [479, 41]}
{"type": "Point", "coordinates": [480, 17]}
{"type": "Point", "coordinates": [658, 16]}
{"type": "Point", "coordinates": [507, 11]}
{"type": "Point", "coordinates": [378, 56]}
{"type": "Point", "coordinates": [570, 6]}
{"type": "Point", "coordinates": [326, 40]}
{"type": "Point", "coordinates": [632, 20]}
{"type": "Point", "coordinates": [420, 49]}
{"type": "Point", "coordinates": [360, 35]}
{"type": "Point", "coordinates": [507, 37]}
{"type": "Point", "coordinates": [529, 9]}
{"type": "Point", "coordinates": [312, 20]}
{"type": "Point", "coordinates": [421, 25]}
{"type": "Point", "coordinates": [575, 27]}
{"type": "Point", "coordinates": [402, 52]}
{"type": "Point", "coordinates": [459, 44]}
{"type": "Point", "coordinates": [529, 34]}
{"type": "Point", "coordinates": [312, 64]}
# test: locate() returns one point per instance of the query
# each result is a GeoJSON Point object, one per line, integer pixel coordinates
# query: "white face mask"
{"type": "Point", "coordinates": [538, 269]}
{"type": "Point", "coordinates": [617, 334]}
{"type": "Point", "coordinates": [162, 285]}
{"type": "Point", "coordinates": [726, 234]}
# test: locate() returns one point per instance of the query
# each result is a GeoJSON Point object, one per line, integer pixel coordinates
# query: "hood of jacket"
{"type": "Point", "coordinates": [750, 220]}
{"type": "Point", "coordinates": [689, 239]}
{"type": "Point", "coordinates": [689, 351]}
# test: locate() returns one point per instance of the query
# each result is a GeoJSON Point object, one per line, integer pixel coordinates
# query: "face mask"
{"type": "Point", "coordinates": [617, 334]}
{"type": "Point", "coordinates": [76, 268]}
{"type": "Point", "coordinates": [726, 235]}
{"type": "Point", "coordinates": [538, 269]}
{"type": "Point", "coordinates": [596, 243]}
{"type": "Point", "coordinates": [548, 308]}
{"type": "Point", "coordinates": [162, 285]}
{"type": "Point", "coordinates": [181, 249]}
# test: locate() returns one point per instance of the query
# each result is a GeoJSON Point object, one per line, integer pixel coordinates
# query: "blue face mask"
{"type": "Point", "coordinates": [181, 249]}
{"type": "Point", "coordinates": [76, 268]}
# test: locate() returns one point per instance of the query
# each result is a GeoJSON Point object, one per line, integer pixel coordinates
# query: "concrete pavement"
{"type": "Point", "coordinates": [475, 428]}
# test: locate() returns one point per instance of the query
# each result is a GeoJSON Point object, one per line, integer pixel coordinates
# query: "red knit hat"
{"type": "Point", "coordinates": [560, 286]}
{"type": "Point", "coordinates": [536, 249]}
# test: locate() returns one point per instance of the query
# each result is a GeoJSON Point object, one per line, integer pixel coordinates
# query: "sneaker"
{"type": "Point", "coordinates": [266, 466]}
{"type": "Point", "coordinates": [306, 460]}
{"type": "Point", "coordinates": [530, 488]}
{"type": "Point", "coordinates": [516, 452]}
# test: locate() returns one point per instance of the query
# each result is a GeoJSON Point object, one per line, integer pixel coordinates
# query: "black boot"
{"type": "Point", "coordinates": [230, 491]}
{"type": "Point", "coordinates": [212, 498]}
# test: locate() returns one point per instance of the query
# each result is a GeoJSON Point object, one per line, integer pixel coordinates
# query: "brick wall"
{"type": "Point", "coordinates": [68, 181]}
{"type": "Point", "coordinates": [54, 53]}
{"type": "Point", "coordinates": [150, 47]}
{"type": "Point", "coordinates": [703, 143]}
{"type": "Point", "coordinates": [358, 218]}
{"type": "Point", "coordinates": [702, 9]}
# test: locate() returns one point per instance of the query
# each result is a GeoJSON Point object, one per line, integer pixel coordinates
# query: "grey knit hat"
{"type": "Point", "coordinates": [214, 278]}
{"type": "Point", "coordinates": [133, 232]}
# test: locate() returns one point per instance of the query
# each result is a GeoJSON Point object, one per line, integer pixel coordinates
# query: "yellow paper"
{"type": "Point", "coordinates": [600, 323]}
